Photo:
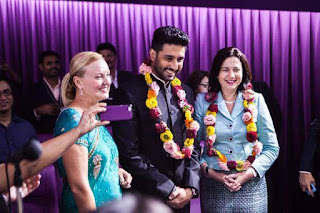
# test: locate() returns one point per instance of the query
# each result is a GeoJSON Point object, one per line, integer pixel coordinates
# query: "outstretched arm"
{"type": "Point", "coordinates": [54, 148]}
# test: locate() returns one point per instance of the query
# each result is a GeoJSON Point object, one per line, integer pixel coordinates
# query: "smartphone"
{"type": "Point", "coordinates": [117, 113]}
{"type": "Point", "coordinates": [313, 189]}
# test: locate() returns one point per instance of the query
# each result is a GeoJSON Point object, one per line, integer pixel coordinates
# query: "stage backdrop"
{"type": "Point", "coordinates": [282, 46]}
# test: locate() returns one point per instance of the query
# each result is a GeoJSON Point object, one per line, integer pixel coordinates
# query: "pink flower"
{"type": "Point", "coordinates": [181, 94]}
{"type": "Point", "coordinates": [188, 106]}
{"type": "Point", "coordinates": [248, 95]}
{"type": "Point", "coordinates": [257, 147]}
{"type": "Point", "coordinates": [143, 69]}
{"type": "Point", "coordinates": [170, 147]}
{"type": "Point", "coordinates": [194, 125]}
{"type": "Point", "coordinates": [223, 166]}
{"type": "Point", "coordinates": [161, 127]}
{"type": "Point", "coordinates": [211, 96]}
{"type": "Point", "coordinates": [209, 120]}
{"type": "Point", "coordinates": [247, 86]}
{"type": "Point", "coordinates": [187, 152]}
{"type": "Point", "coordinates": [191, 133]}
{"type": "Point", "coordinates": [176, 89]}
{"type": "Point", "coordinates": [212, 137]}
{"type": "Point", "coordinates": [182, 103]}
{"type": "Point", "coordinates": [246, 116]}
{"type": "Point", "coordinates": [177, 155]}
{"type": "Point", "coordinates": [155, 113]}
{"type": "Point", "coordinates": [155, 87]}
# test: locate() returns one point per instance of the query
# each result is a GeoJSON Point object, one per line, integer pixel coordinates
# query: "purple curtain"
{"type": "Point", "coordinates": [282, 46]}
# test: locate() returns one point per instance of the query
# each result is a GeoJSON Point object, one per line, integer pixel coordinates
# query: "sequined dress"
{"type": "Point", "coordinates": [102, 162]}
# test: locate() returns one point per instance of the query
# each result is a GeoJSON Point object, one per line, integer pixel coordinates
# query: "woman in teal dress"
{"type": "Point", "coordinates": [90, 167]}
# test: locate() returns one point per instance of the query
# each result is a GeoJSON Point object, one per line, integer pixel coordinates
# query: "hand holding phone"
{"type": "Point", "coordinates": [313, 189]}
{"type": "Point", "coordinates": [117, 113]}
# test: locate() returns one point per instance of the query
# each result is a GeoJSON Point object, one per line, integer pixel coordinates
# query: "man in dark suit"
{"type": "Point", "coordinates": [44, 98]}
{"type": "Point", "coordinates": [141, 150]}
{"type": "Point", "coordinates": [109, 53]}
{"type": "Point", "coordinates": [311, 146]}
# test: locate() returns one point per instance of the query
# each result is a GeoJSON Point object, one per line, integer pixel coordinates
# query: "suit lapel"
{"type": "Point", "coordinates": [222, 107]}
{"type": "Point", "coordinates": [238, 107]}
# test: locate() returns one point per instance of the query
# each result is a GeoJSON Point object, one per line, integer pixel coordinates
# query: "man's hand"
{"type": "Point", "coordinates": [125, 178]}
{"type": "Point", "coordinates": [305, 179]}
{"type": "Point", "coordinates": [179, 198]}
{"type": "Point", "coordinates": [47, 109]}
{"type": "Point", "coordinates": [28, 186]}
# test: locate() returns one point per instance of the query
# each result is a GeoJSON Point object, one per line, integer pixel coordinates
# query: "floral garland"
{"type": "Point", "coordinates": [161, 127]}
{"type": "Point", "coordinates": [252, 135]}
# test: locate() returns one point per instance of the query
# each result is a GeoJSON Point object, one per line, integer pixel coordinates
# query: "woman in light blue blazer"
{"type": "Point", "coordinates": [240, 140]}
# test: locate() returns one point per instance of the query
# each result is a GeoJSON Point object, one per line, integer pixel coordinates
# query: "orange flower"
{"type": "Point", "coordinates": [223, 158]}
{"type": "Point", "coordinates": [249, 121]}
{"type": "Point", "coordinates": [188, 122]}
{"type": "Point", "coordinates": [151, 94]}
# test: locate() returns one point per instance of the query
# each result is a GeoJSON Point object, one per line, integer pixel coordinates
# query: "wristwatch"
{"type": "Point", "coordinates": [194, 193]}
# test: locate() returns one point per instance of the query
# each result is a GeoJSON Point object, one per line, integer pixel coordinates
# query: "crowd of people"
{"type": "Point", "coordinates": [157, 153]}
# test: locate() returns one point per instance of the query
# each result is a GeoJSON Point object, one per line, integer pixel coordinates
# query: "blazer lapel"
{"type": "Point", "coordinates": [238, 107]}
{"type": "Point", "coordinates": [222, 107]}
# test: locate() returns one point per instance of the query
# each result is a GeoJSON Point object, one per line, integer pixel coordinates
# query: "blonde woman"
{"type": "Point", "coordinates": [90, 167]}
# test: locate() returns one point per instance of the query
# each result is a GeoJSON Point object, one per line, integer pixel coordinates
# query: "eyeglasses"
{"type": "Point", "coordinates": [205, 85]}
{"type": "Point", "coordinates": [6, 92]}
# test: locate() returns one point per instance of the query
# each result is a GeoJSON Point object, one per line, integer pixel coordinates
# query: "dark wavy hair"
{"type": "Point", "coordinates": [106, 46]}
{"type": "Point", "coordinates": [46, 54]}
{"type": "Point", "coordinates": [169, 35]}
{"type": "Point", "coordinates": [194, 80]}
{"type": "Point", "coordinates": [218, 60]}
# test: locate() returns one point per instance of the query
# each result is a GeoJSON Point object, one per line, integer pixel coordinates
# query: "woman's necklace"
{"type": "Point", "coordinates": [252, 135]}
{"type": "Point", "coordinates": [229, 102]}
{"type": "Point", "coordinates": [161, 127]}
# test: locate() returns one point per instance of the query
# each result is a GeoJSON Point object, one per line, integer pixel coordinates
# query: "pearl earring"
{"type": "Point", "coordinates": [81, 92]}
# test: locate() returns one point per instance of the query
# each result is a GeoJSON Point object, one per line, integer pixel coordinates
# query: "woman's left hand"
{"type": "Point", "coordinates": [239, 179]}
{"type": "Point", "coordinates": [125, 178]}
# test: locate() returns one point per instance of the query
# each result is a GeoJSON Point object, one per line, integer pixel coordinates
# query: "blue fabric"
{"type": "Point", "coordinates": [231, 133]}
{"type": "Point", "coordinates": [15, 136]}
{"type": "Point", "coordinates": [102, 162]}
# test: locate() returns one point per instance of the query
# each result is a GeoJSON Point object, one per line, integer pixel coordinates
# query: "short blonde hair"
{"type": "Point", "coordinates": [77, 68]}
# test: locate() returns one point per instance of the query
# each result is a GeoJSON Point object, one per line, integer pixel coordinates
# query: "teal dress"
{"type": "Point", "coordinates": [102, 162]}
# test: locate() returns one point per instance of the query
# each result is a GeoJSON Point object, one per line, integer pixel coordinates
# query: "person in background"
{"type": "Point", "coordinates": [43, 98]}
{"type": "Point", "coordinates": [198, 81]}
{"type": "Point", "coordinates": [311, 147]}
{"type": "Point", "coordinates": [241, 143]}
{"type": "Point", "coordinates": [90, 167]}
{"type": "Point", "coordinates": [118, 77]}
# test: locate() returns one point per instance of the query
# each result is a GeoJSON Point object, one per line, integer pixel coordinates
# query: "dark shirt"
{"type": "Point", "coordinates": [15, 136]}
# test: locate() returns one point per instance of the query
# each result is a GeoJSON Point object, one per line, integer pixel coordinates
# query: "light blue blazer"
{"type": "Point", "coordinates": [231, 133]}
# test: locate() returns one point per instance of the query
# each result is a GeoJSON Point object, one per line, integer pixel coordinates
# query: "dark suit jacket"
{"type": "Point", "coordinates": [123, 78]}
{"type": "Point", "coordinates": [311, 147]}
{"type": "Point", "coordinates": [272, 103]}
{"type": "Point", "coordinates": [39, 94]}
{"type": "Point", "coordinates": [141, 150]}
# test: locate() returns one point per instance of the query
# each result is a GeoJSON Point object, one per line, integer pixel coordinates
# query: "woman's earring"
{"type": "Point", "coordinates": [81, 92]}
